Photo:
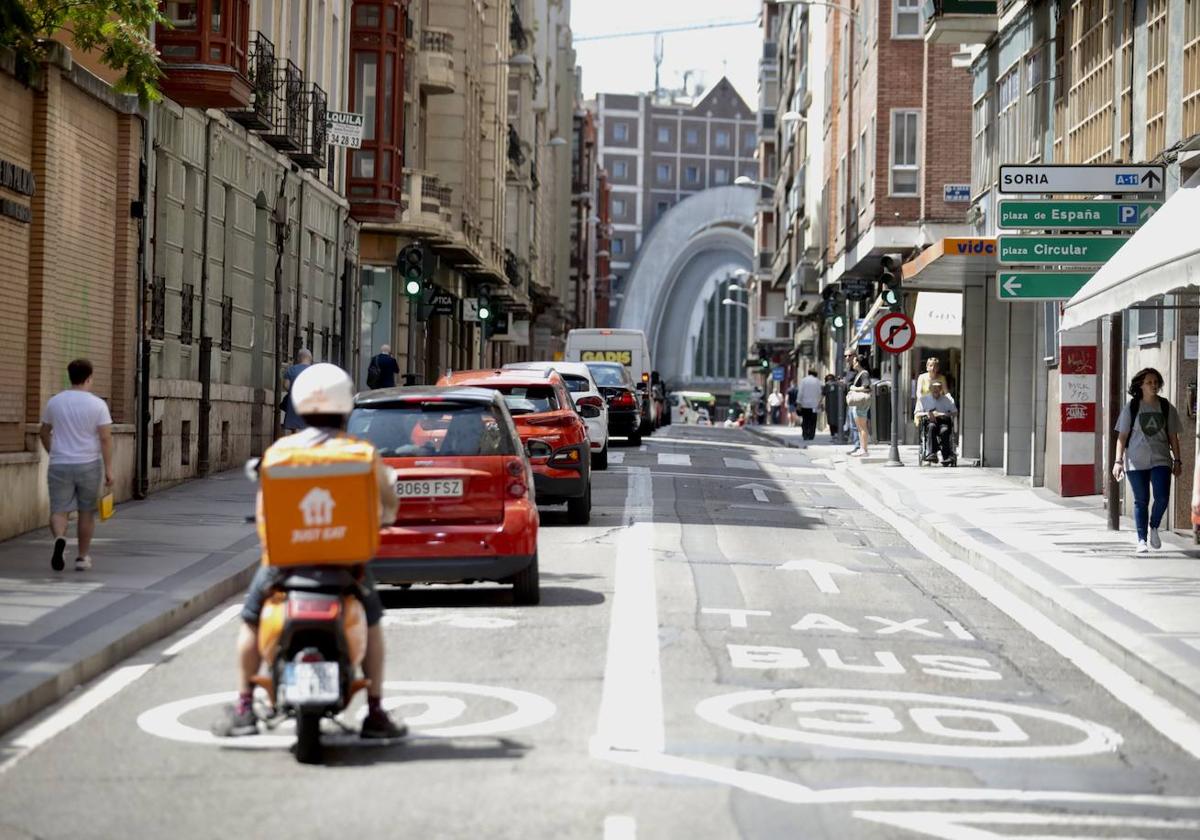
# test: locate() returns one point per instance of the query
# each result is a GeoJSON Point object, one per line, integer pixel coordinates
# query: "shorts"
{"type": "Point", "coordinates": [267, 576]}
{"type": "Point", "coordinates": [75, 486]}
{"type": "Point", "coordinates": [862, 412]}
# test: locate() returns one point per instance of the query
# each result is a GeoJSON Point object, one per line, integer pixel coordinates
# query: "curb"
{"type": "Point", "coordinates": [770, 438]}
{"type": "Point", "coordinates": [128, 640]}
{"type": "Point", "coordinates": [1106, 635]}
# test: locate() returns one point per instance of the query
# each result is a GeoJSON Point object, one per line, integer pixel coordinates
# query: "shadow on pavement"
{"type": "Point", "coordinates": [480, 596]}
{"type": "Point", "coordinates": [418, 748]}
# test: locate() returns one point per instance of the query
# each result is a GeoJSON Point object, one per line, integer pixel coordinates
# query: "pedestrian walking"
{"type": "Point", "coordinates": [775, 403]}
{"type": "Point", "coordinates": [808, 401]}
{"type": "Point", "coordinates": [383, 369]}
{"type": "Point", "coordinates": [832, 404]}
{"type": "Point", "coordinates": [291, 420]}
{"type": "Point", "coordinates": [77, 433]}
{"type": "Point", "coordinates": [793, 406]}
{"type": "Point", "coordinates": [1148, 454]}
{"type": "Point", "coordinates": [858, 401]}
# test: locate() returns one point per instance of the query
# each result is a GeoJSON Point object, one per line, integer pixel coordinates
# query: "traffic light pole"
{"type": "Point", "coordinates": [894, 452]}
{"type": "Point", "coordinates": [411, 376]}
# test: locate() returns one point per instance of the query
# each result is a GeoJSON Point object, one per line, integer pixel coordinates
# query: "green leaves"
{"type": "Point", "coordinates": [117, 30]}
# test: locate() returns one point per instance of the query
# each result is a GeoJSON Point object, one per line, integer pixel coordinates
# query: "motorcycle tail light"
{"type": "Point", "coordinates": [314, 609]}
{"type": "Point", "coordinates": [310, 655]}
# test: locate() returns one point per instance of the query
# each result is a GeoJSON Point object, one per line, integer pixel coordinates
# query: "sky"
{"type": "Point", "coordinates": [626, 65]}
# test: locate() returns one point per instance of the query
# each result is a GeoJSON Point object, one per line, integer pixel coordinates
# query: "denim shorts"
{"type": "Point", "coordinates": [75, 486]}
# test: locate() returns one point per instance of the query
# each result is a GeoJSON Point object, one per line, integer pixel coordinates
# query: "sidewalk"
{"type": "Point", "coordinates": [1140, 611]}
{"type": "Point", "coordinates": [159, 563]}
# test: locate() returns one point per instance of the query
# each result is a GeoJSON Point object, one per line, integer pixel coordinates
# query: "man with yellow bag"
{"type": "Point", "coordinates": [323, 395]}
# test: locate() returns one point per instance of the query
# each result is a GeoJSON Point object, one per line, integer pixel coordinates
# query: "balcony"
{"type": "Point", "coordinates": [289, 117]}
{"type": "Point", "coordinates": [435, 62]}
{"type": "Point", "coordinates": [960, 21]}
{"type": "Point", "coordinates": [204, 53]}
{"type": "Point", "coordinates": [425, 203]}
{"type": "Point", "coordinates": [262, 85]}
{"type": "Point", "coordinates": [313, 148]}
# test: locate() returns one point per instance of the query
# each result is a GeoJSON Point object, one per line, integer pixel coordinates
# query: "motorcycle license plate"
{"type": "Point", "coordinates": [443, 488]}
{"type": "Point", "coordinates": [307, 683]}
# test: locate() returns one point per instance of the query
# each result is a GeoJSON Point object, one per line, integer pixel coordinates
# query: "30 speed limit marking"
{"type": "Point", "coordinates": [895, 332]}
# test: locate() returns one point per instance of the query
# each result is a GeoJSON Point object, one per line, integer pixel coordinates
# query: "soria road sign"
{"type": "Point", "coordinates": [1095, 179]}
{"type": "Point", "coordinates": [895, 333]}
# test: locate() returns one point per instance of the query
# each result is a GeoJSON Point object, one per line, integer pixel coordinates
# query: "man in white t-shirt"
{"type": "Point", "coordinates": [77, 432]}
{"type": "Point", "coordinates": [808, 400]}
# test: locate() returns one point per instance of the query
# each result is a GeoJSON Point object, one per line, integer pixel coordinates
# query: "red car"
{"type": "Point", "coordinates": [467, 511]}
{"type": "Point", "coordinates": [552, 431]}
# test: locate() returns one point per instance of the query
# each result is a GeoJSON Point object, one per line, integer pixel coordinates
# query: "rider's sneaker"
{"type": "Point", "coordinates": [237, 722]}
{"type": "Point", "coordinates": [379, 725]}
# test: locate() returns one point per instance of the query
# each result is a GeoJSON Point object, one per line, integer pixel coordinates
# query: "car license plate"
{"type": "Point", "coordinates": [438, 488]}
{"type": "Point", "coordinates": [307, 683]}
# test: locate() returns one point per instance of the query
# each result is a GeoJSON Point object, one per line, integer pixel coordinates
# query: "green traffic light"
{"type": "Point", "coordinates": [890, 297]}
{"type": "Point", "coordinates": [485, 310]}
{"type": "Point", "coordinates": [413, 287]}
{"type": "Point", "coordinates": [838, 322]}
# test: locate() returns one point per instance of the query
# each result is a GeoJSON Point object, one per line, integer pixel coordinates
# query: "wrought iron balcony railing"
{"type": "Point", "coordinates": [262, 83]}
{"type": "Point", "coordinates": [313, 149]}
{"type": "Point", "coordinates": [289, 117]}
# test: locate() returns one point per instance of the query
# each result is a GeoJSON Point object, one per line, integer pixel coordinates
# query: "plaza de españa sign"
{"type": "Point", "coordinates": [1099, 179]}
{"type": "Point", "coordinates": [1075, 214]}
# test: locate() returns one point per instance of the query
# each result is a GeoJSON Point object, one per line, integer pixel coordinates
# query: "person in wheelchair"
{"type": "Point", "coordinates": [935, 412]}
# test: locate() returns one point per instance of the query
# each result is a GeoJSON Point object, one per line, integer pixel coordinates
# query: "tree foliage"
{"type": "Point", "coordinates": [118, 31]}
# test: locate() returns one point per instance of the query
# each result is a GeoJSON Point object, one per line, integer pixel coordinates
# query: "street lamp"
{"type": "Point", "coordinates": [732, 302]}
{"type": "Point", "coordinates": [793, 117]}
{"type": "Point", "coordinates": [747, 181]}
{"type": "Point", "coordinates": [555, 142]}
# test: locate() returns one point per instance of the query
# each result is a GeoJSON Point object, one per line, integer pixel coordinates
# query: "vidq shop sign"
{"type": "Point", "coordinates": [343, 128]}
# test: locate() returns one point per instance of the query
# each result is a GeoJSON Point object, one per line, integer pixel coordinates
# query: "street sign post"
{"type": "Point", "coordinates": [1095, 179]}
{"type": "Point", "coordinates": [856, 288]}
{"type": "Point", "coordinates": [1075, 215]}
{"type": "Point", "coordinates": [344, 128]}
{"type": "Point", "coordinates": [1040, 285]}
{"type": "Point", "coordinates": [895, 332]}
{"type": "Point", "coordinates": [1051, 249]}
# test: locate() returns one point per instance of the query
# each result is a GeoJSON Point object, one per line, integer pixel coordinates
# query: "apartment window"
{"type": "Point", "coordinates": [620, 169]}
{"type": "Point", "coordinates": [906, 170]}
{"type": "Point", "coordinates": [618, 247]}
{"type": "Point", "coordinates": [620, 132]}
{"type": "Point", "coordinates": [376, 40]}
{"type": "Point", "coordinates": [841, 195]}
{"type": "Point", "coordinates": [692, 137]}
{"type": "Point", "coordinates": [863, 154]}
{"type": "Point", "coordinates": [749, 141]}
{"type": "Point", "coordinates": [662, 172]}
{"type": "Point", "coordinates": [1148, 322]}
{"type": "Point", "coordinates": [721, 175]}
{"type": "Point", "coordinates": [664, 134]}
{"type": "Point", "coordinates": [691, 174]}
{"type": "Point", "coordinates": [618, 208]}
{"type": "Point", "coordinates": [981, 148]}
{"type": "Point", "coordinates": [1008, 124]}
{"type": "Point", "coordinates": [721, 140]}
{"type": "Point", "coordinates": [906, 19]}
{"type": "Point", "coordinates": [1050, 321]}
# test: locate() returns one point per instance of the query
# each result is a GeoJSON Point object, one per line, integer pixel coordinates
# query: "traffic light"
{"type": "Point", "coordinates": [411, 263]}
{"type": "Point", "coordinates": [764, 363]}
{"type": "Point", "coordinates": [889, 280]}
{"type": "Point", "coordinates": [839, 327]}
{"type": "Point", "coordinates": [483, 308]}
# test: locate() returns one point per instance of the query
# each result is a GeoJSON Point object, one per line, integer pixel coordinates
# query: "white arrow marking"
{"type": "Point", "coordinates": [1012, 286]}
{"type": "Point", "coordinates": [759, 490]}
{"type": "Point", "coordinates": [821, 572]}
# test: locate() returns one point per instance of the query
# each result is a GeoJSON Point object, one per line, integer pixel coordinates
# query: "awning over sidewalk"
{"type": "Point", "coordinates": [1162, 257]}
{"type": "Point", "coordinates": [950, 262]}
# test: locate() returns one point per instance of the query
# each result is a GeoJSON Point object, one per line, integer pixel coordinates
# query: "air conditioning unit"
{"type": "Point", "coordinates": [773, 329]}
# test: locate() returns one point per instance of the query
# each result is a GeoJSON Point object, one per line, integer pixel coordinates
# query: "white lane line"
{"type": "Point", "coordinates": [805, 482]}
{"type": "Point", "coordinates": [619, 827]}
{"type": "Point", "coordinates": [674, 459]}
{"type": "Point", "coordinates": [75, 710]}
{"type": "Point", "coordinates": [1166, 717]}
{"type": "Point", "coordinates": [631, 704]}
{"type": "Point", "coordinates": [951, 826]}
{"type": "Point", "coordinates": [211, 626]}
{"type": "Point", "coordinates": [616, 457]}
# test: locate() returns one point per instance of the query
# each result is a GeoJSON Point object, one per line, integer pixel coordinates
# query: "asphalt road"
{"type": "Point", "coordinates": [733, 648]}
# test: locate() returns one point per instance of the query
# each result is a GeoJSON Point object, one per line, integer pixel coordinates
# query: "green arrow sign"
{"type": "Point", "coordinates": [1058, 250]}
{"type": "Point", "coordinates": [1075, 215]}
{"type": "Point", "coordinates": [1039, 285]}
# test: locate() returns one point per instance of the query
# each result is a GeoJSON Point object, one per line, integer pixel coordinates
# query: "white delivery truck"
{"type": "Point", "coordinates": [628, 347]}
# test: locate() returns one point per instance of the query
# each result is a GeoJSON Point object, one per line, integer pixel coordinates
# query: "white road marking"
{"type": "Point", "coordinates": [631, 705]}
{"type": "Point", "coordinates": [959, 631]}
{"type": "Point", "coordinates": [727, 477]}
{"type": "Point", "coordinates": [440, 706]}
{"type": "Point", "coordinates": [425, 618]}
{"type": "Point", "coordinates": [954, 826]}
{"type": "Point", "coordinates": [616, 457]}
{"type": "Point", "coordinates": [737, 618]}
{"type": "Point", "coordinates": [821, 572]}
{"type": "Point", "coordinates": [759, 491]}
{"type": "Point", "coordinates": [74, 711]}
{"type": "Point", "coordinates": [741, 464]}
{"type": "Point", "coordinates": [620, 828]}
{"type": "Point", "coordinates": [211, 626]}
{"type": "Point", "coordinates": [858, 719]}
{"type": "Point", "coordinates": [913, 625]}
{"type": "Point", "coordinates": [1174, 724]}
{"type": "Point", "coordinates": [674, 459]}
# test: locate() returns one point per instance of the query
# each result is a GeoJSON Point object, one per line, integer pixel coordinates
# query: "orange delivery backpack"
{"type": "Point", "coordinates": [320, 504]}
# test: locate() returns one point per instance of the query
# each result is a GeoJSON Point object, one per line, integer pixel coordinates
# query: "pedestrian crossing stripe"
{"type": "Point", "coordinates": [674, 459]}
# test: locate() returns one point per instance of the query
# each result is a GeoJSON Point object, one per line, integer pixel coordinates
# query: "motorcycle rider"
{"type": "Point", "coordinates": [323, 395]}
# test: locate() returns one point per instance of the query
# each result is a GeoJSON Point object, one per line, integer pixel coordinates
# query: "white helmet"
{"type": "Point", "coordinates": [323, 389]}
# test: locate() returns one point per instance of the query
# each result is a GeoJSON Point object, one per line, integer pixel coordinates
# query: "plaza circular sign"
{"type": "Point", "coordinates": [897, 722]}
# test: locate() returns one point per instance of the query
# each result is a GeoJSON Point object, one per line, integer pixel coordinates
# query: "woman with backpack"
{"type": "Point", "coordinates": [1148, 453]}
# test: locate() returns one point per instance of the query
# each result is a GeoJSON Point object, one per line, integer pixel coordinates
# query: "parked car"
{"type": "Point", "coordinates": [551, 430]}
{"type": "Point", "coordinates": [621, 395]}
{"type": "Point", "coordinates": [579, 382]}
{"type": "Point", "coordinates": [467, 510]}
{"type": "Point", "coordinates": [626, 347]}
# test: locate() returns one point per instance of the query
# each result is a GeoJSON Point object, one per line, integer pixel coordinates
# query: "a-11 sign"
{"type": "Point", "coordinates": [1095, 179]}
{"type": "Point", "coordinates": [1075, 215]}
{"type": "Point", "coordinates": [1040, 285]}
{"type": "Point", "coordinates": [1048, 249]}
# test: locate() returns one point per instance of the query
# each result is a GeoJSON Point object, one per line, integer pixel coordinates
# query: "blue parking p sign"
{"type": "Point", "coordinates": [1127, 214]}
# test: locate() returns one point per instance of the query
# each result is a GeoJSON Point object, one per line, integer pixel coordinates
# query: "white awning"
{"type": "Point", "coordinates": [1162, 257]}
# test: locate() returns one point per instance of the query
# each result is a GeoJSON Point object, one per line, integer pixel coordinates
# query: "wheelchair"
{"type": "Point", "coordinates": [923, 435]}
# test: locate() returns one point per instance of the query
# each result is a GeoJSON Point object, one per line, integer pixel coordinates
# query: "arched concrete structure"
{"type": "Point", "coordinates": [691, 250]}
